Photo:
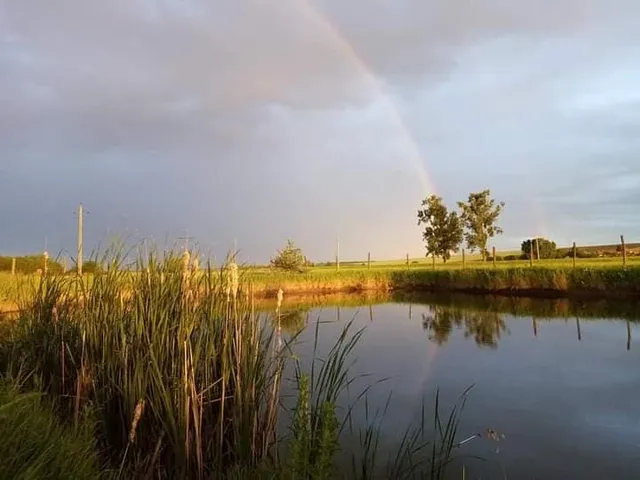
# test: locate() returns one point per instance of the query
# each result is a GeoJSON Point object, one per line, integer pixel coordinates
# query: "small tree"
{"type": "Point", "coordinates": [546, 247]}
{"type": "Point", "coordinates": [443, 229]}
{"type": "Point", "coordinates": [290, 258]}
{"type": "Point", "coordinates": [480, 214]}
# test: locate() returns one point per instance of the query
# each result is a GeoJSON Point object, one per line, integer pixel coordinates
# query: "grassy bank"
{"type": "Point", "coordinates": [601, 281]}
{"type": "Point", "coordinates": [184, 380]}
{"type": "Point", "coordinates": [552, 279]}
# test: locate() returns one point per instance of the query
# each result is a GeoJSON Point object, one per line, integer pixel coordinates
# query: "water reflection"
{"type": "Point", "coordinates": [559, 422]}
{"type": "Point", "coordinates": [482, 319]}
{"type": "Point", "coordinates": [485, 327]}
{"type": "Point", "coordinates": [292, 321]}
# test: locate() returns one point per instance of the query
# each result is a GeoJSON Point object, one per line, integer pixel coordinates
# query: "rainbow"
{"type": "Point", "coordinates": [330, 31]}
{"type": "Point", "coordinates": [333, 33]}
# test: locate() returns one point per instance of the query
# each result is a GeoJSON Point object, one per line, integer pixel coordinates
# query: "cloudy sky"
{"type": "Point", "coordinates": [260, 120]}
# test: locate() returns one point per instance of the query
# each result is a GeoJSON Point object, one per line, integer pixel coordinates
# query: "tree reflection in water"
{"type": "Point", "coordinates": [485, 327]}
{"type": "Point", "coordinates": [294, 320]}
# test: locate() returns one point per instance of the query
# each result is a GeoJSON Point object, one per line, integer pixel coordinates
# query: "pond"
{"type": "Point", "coordinates": [555, 384]}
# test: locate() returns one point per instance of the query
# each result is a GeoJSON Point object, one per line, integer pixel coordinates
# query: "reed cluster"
{"type": "Point", "coordinates": [184, 376]}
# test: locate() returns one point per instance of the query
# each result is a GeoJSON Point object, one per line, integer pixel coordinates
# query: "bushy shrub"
{"type": "Point", "coordinates": [290, 258]}
{"type": "Point", "coordinates": [91, 266]}
{"type": "Point", "coordinates": [580, 253]}
{"type": "Point", "coordinates": [546, 248]}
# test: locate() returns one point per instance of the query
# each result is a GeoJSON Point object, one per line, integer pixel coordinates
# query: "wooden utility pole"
{"type": "Point", "coordinates": [574, 254]}
{"type": "Point", "coordinates": [369, 261]}
{"type": "Point", "coordinates": [407, 259]}
{"type": "Point", "coordinates": [624, 251]}
{"type": "Point", "coordinates": [538, 248]}
{"type": "Point", "coordinates": [337, 254]}
{"type": "Point", "coordinates": [80, 246]}
{"type": "Point", "coordinates": [13, 266]}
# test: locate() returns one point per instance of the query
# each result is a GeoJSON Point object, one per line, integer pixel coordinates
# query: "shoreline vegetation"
{"type": "Point", "coordinates": [592, 281]}
{"type": "Point", "coordinates": [546, 282]}
{"type": "Point", "coordinates": [173, 373]}
{"type": "Point", "coordinates": [169, 367]}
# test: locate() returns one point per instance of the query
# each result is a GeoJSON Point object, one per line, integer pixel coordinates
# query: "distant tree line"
{"type": "Point", "coordinates": [29, 264]}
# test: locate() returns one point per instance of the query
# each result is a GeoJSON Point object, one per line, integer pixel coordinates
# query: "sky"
{"type": "Point", "coordinates": [247, 122]}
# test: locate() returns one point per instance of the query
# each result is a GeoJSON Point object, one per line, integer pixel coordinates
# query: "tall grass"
{"type": "Point", "coordinates": [182, 373]}
{"type": "Point", "coordinates": [179, 373]}
{"type": "Point", "coordinates": [36, 445]}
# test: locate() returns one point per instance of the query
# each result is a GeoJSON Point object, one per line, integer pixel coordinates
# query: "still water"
{"type": "Point", "coordinates": [558, 382]}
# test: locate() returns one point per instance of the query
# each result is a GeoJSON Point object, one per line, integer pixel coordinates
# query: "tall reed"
{"type": "Point", "coordinates": [183, 374]}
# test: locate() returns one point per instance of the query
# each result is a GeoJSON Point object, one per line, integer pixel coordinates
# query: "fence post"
{"type": "Point", "coordinates": [13, 266]}
{"type": "Point", "coordinates": [407, 259]}
{"type": "Point", "coordinates": [574, 254]}
{"type": "Point", "coordinates": [464, 263]}
{"type": "Point", "coordinates": [531, 252]}
{"type": "Point", "coordinates": [624, 251]}
{"type": "Point", "coordinates": [578, 328]}
{"type": "Point", "coordinates": [494, 256]}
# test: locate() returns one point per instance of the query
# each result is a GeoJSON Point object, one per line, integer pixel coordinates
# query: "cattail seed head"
{"type": "Point", "coordinates": [233, 279]}
{"type": "Point", "coordinates": [136, 419]}
{"type": "Point", "coordinates": [186, 259]}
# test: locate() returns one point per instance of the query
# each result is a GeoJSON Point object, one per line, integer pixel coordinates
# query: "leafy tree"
{"type": "Point", "coordinates": [479, 215]}
{"type": "Point", "coordinates": [547, 248]}
{"type": "Point", "coordinates": [289, 258]}
{"type": "Point", "coordinates": [443, 229]}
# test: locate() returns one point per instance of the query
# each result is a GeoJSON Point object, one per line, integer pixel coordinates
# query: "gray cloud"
{"type": "Point", "coordinates": [264, 120]}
